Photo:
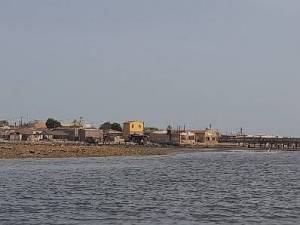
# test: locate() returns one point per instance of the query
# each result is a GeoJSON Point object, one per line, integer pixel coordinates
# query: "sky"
{"type": "Point", "coordinates": [228, 63]}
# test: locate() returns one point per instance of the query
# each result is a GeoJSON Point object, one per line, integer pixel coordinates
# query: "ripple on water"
{"type": "Point", "coordinates": [192, 188]}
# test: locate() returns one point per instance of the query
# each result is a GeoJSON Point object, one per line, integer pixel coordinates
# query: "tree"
{"type": "Point", "coordinates": [111, 126]}
{"type": "Point", "coordinates": [117, 127]}
{"type": "Point", "coordinates": [151, 129]}
{"type": "Point", "coordinates": [105, 126]}
{"type": "Point", "coordinates": [52, 123]}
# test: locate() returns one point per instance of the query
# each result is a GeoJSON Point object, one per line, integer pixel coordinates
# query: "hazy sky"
{"type": "Point", "coordinates": [193, 62]}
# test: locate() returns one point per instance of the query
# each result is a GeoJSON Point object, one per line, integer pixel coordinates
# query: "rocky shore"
{"type": "Point", "coordinates": [38, 150]}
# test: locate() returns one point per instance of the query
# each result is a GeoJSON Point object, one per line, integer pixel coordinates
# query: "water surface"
{"type": "Point", "coordinates": [192, 188]}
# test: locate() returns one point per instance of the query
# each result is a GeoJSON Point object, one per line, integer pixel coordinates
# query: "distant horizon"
{"type": "Point", "coordinates": [227, 63]}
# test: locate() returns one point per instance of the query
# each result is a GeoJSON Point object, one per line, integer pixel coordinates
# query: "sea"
{"type": "Point", "coordinates": [232, 187]}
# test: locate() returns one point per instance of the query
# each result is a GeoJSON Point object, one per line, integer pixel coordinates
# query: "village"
{"type": "Point", "coordinates": [135, 132]}
{"type": "Point", "coordinates": [78, 132]}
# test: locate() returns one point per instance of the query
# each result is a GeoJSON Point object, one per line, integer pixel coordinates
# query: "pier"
{"type": "Point", "coordinates": [262, 142]}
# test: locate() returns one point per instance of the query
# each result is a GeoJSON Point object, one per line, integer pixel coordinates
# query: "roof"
{"type": "Point", "coordinates": [134, 121]}
{"type": "Point", "coordinates": [24, 131]}
{"type": "Point", "coordinates": [160, 132]}
{"type": "Point", "coordinates": [113, 132]}
{"type": "Point", "coordinates": [56, 133]}
{"type": "Point", "coordinates": [204, 131]}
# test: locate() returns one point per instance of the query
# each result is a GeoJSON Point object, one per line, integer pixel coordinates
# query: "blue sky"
{"type": "Point", "coordinates": [194, 62]}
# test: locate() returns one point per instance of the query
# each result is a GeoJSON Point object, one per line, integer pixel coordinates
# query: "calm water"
{"type": "Point", "coordinates": [192, 188]}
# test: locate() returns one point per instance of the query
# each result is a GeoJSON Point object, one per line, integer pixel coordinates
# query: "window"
{"type": "Point", "coordinates": [132, 126]}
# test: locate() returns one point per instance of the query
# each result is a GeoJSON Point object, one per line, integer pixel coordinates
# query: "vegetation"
{"type": "Point", "coordinates": [151, 129]}
{"type": "Point", "coordinates": [111, 126]}
{"type": "Point", "coordinates": [117, 127]}
{"type": "Point", "coordinates": [52, 123]}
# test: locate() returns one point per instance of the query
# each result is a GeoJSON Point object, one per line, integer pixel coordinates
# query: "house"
{"type": "Point", "coordinates": [4, 123]}
{"type": "Point", "coordinates": [26, 134]}
{"type": "Point", "coordinates": [72, 133]}
{"type": "Point", "coordinates": [208, 136]}
{"type": "Point", "coordinates": [15, 136]}
{"type": "Point", "coordinates": [132, 128]}
{"type": "Point", "coordinates": [37, 124]}
{"type": "Point", "coordinates": [4, 132]}
{"type": "Point", "coordinates": [172, 137]}
{"type": "Point", "coordinates": [90, 135]}
{"type": "Point", "coordinates": [4, 135]}
{"type": "Point", "coordinates": [113, 136]}
{"type": "Point", "coordinates": [55, 135]}
{"type": "Point", "coordinates": [74, 124]}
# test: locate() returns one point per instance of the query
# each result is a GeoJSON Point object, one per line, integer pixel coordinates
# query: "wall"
{"type": "Point", "coordinates": [132, 127]}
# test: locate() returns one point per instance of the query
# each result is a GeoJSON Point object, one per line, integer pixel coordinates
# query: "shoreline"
{"type": "Point", "coordinates": [25, 150]}
{"type": "Point", "coordinates": [58, 150]}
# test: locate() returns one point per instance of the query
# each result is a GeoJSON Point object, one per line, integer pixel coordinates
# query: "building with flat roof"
{"type": "Point", "coordinates": [208, 136]}
{"type": "Point", "coordinates": [90, 135]}
{"type": "Point", "coordinates": [132, 128]}
{"type": "Point", "coordinates": [172, 137]}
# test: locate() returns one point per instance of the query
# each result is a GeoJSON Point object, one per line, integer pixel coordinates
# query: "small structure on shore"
{"type": "Point", "coordinates": [134, 131]}
{"type": "Point", "coordinates": [132, 128]}
{"type": "Point", "coordinates": [173, 137]}
{"type": "Point", "coordinates": [90, 135]}
{"type": "Point", "coordinates": [26, 134]}
{"type": "Point", "coordinates": [113, 136]}
{"type": "Point", "coordinates": [207, 136]}
{"type": "Point", "coordinates": [53, 135]}
{"type": "Point", "coordinates": [36, 124]}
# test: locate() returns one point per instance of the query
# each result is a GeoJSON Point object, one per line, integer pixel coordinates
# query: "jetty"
{"type": "Point", "coordinates": [262, 142]}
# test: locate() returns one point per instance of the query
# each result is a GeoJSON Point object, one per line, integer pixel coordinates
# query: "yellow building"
{"type": "Point", "coordinates": [131, 128]}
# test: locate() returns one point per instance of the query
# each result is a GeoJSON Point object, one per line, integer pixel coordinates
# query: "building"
{"type": "Point", "coordinates": [131, 128]}
{"type": "Point", "coordinates": [208, 137]}
{"type": "Point", "coordinates": [4, 123]}
{"type": "Point", "coordinates": [37, 124]}
{"type": "Point", "coordinates": [26, 134]}
{"type": "Point", "coordinates": [72, 133]}
{"type": "Point", "coordinates": [55, 135]}
{"type": "Point", "coordinates": [90, 135]}
{"type": "Point", "coordinates": [4, 135]}
{"type": "Point", "coordinates": [113, 136]}
{"type": "Point", "coordinates": [172, 137]}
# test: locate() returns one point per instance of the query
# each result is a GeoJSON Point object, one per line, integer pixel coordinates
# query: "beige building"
{"type": "Point", "coordinates": [113, 136]}
{"type": "Point", "coordinates": [208, 136]}
{"type": "Point", "coordinates": [90, 135]}
{"type": "Point", "coordinates": [173, 137]}
{"type": "Point", "coordinates": [37, 124]}
{"type": "Point", "coordinates": [72, 133]}
{"type": "Point", "coordinates": [26, 134]}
